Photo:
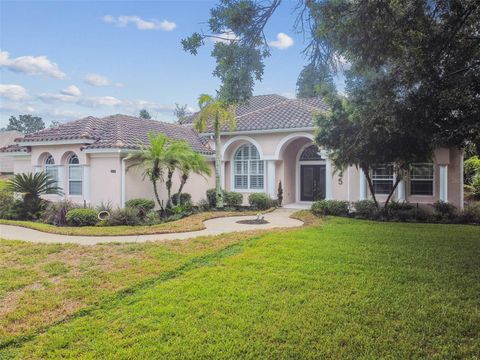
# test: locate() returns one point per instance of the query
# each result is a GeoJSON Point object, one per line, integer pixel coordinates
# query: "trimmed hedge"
{"type": "Point", "coordinates": [260, 201]}
{"type": "Point", "coordinates": [330, 207]}
{"type": "Point", "coordinates": [81, 217]}
{"type": "Point", "coordinates": [232, 199]}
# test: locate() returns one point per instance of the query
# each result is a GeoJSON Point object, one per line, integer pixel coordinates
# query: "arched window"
{"type": "Point", "coordinates": [50, 167]}
{"type": "Point", "coordinates": [75, 176]}
{"type": "Point", "coordinates": [248, 169]}
{"type": "Point", "coordinates": [311, 153]}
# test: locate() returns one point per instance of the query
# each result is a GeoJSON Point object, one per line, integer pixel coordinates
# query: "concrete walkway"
{"type": "Point", "coordinates": [279, 218]}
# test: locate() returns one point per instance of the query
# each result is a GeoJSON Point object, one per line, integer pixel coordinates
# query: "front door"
{"type": "Point", "coordinates": [312, 182]}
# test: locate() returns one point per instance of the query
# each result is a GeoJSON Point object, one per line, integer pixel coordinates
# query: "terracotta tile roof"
{"type": "Point", "coordinates": [14, 148]}
{"type": "Point", "coordinates": [272, 112]}
{"type": "Point", "coordinates": [116, 131]}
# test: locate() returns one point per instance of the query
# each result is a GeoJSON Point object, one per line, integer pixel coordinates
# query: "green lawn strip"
{"type": "Point", "coordinates": [112, 300]}
{"type": "Point", "coordinates": [350, 289]}
{"type": "Point", "coordinates": [190, 223]}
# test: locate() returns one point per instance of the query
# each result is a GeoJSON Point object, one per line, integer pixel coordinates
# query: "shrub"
{"type": "Point", "coordinates": [7, 205]}
{"type": "Point", "coordinates": [212, 198]}
{"type": "Point", "coordinates": [185, 199]}
{"type": "Point", "coordinates": [260, 201]}
{"type": "Point", "coordinates": [365, 209]}
{"type": "Point", "coordinates": [142, 205]}
{"type": "Point", "coordinates": [203, 205]}
{"type": "Point", "coordinates": [233, 199]}
{"type": "Point", "coordinates": [330, 207]}
{"type": "Point", "coordinates": [104, 206]}
{"type": "Point", "coordinates": [471, 169]}
{"type": "Point", "coordinates": [474, 188]}
{"type": "Point", "coordinates": [152, 218]}
{"type": "Point", "coordinates": [404, 212]}
{"type": "Point", "coordinates": [126, 216]}
{"type": "Point", "coordinates": [56, 212]}
{"type": "Point", "coordinates": [81, 217]}
{"type": "Point", "coordinates": [444, 210]}
{"type": "Point", "coordinates": [280, 194]}
{"type": "Point", "coordinates": [470, 214]}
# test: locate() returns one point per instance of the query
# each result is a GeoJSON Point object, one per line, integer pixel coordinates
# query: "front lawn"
{"type": "Point", "coordinates": [344, 289]}
{"type": "Point", "coordinates": [189, 223]}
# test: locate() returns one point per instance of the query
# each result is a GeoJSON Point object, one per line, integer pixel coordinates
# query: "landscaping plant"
{"type": "Point", "coordinates": [55, 213]}
{"type": "Point", "coordinates": [259, 201]}
{"type": "Point", "coordinates": [215, 114]}
{"type": "Point", "coordinates": [330, 207]}
{"type": "Point", "coordinates": [81, 217]}
{"type": "Point", "coordinates": [31, 187]}
{"type": "Point", "coordinates": [233, 199]}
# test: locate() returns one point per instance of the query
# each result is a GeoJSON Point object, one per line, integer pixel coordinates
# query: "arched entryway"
{"type": "Point", "coordinates": [311, 174]}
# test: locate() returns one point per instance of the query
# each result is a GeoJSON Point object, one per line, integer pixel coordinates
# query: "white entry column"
{"type": "Point", "coordinates": [328, 179]}
{"type": "Point", "coordinates": [401, 190]}
{"type": "Point", "coordinates": [271, 179]}
{"type": "Point", "coordinates": [86, 183]}
{"type": "Point", "coordinates": [443, 173]}
{"type": "Point", "coordinates": [363, 185]}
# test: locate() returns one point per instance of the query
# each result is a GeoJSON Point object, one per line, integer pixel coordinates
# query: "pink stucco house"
{"type": "Point", "coordinates": [271, 143]}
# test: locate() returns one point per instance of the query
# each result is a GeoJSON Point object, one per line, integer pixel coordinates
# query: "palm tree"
{"type": "Point", "coordinates": [176, 154]}
{"type": "Point", "coordinates": [193, 162]}
{"type": "Point", "coordinates": [152, 159]}
{"type": "Point", "coordinates": [32, 186]}
{"type": "Point", "coordinates": [216, 114]}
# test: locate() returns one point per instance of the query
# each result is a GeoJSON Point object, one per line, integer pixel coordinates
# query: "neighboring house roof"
{"type": "Point", "coordinates": [116, 131]}
{"type": "Point", "coordinates": [274, 112]}
{"type": "Point", "coordinates": [8, 137]}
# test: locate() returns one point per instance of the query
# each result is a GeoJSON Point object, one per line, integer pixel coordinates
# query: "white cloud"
{"type": "Point", "coordinates": [283, 41]}
{"type": "Point", "coordinates": [141, 24]}
{"type": "Point", "coordinates": [100, 101]}
{"type": "Point", "coordinates": [99, 80]}
{"type": "Point", "coordinates": [13, 92]}
{"type": "Point", "coordinates": [31, 65]}
{"type": "Point", "coordinates": [71, 90]}
{"type": "Point", "coordinates": [17, 108]}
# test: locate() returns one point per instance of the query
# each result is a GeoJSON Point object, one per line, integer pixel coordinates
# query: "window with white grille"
{"type": "Point", "coordinates": [421, 179]}
{"type": "Point", "coordinates": [75, 176]}
{"type": "Point", "coordinates": [248, 169]}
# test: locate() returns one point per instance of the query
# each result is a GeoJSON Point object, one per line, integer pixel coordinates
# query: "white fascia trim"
{"type": "Point", "coordinates": [109, 151]}
{"type": "Point", "coordinates": [56, 142]}
{"type": "Point", "coordinates": [268, 131]}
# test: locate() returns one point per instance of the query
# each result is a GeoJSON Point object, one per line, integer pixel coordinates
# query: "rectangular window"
{"type": "Point", "coordinates": [52, 171]}
{"type": "Point", "coordinates": [382, 179]}
{"type": "Point", "coordinates": [75, 178]}
{"type": "Point", "coordinates": [421, 179]}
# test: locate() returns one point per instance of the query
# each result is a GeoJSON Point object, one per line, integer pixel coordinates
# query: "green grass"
{"type": "Point", "coordinates": [347, 289]}
{"type": "Point", "coordinates": [189, 223]}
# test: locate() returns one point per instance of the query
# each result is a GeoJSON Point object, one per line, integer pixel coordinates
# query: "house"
{"type": "Point", "coordinates": [272, 142]}
{"type": "Point", "coordinates": [7, 138]}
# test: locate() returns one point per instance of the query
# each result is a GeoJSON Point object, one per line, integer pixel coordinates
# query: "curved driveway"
{"type": "Point", "coordinates": [279, 218]}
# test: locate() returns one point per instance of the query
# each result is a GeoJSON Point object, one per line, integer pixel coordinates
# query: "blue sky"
{"type": "Point", "coordinates": [63, 60]}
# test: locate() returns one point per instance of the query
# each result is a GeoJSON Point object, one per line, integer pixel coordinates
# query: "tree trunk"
{"type": "Point", "coordinates": [366, 171]}
{"type": "Point", "coordinates": [168, 183]}
{"type": "Point", "coordinates": [397, 181]}
{"type": "Point", "coordinates": [218, 164]}
{"type": "Point", "coordinates": [155, 191]}
{"type": "Point", "coordinates": [183, 181]}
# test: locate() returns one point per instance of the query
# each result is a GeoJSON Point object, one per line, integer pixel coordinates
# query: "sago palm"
{"type": "Point", "coordinates": [31, 187]}
{"type": "Point", "coordinates": [215, 114]}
